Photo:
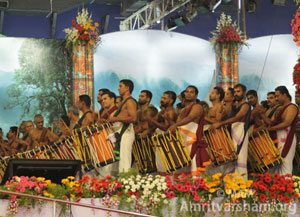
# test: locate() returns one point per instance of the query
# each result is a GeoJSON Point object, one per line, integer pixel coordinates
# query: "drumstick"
{"type": "Point", "coordinates": [65, 125]}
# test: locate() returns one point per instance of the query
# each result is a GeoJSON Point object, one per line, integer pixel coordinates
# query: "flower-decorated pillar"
{"type": "Point", "coordinates": [227, 60]}
{"type": "Point", "coordinates": [83, 72]}
{"type": "Point", "coordinates": [84, 38]}
{"type": "Point", "coordinates": [227, 39]}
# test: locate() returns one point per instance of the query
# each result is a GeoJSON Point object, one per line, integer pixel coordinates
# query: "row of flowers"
{"type": "Point", "coordinates": [149, 194]}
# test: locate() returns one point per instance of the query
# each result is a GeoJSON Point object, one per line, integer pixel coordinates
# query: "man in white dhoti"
{"type": "Point", "coordinates": [239, 121]}
{"type": "Point", "coordinates": [285, 126]}
{"type": "Point", "coordinates": [123, 121]}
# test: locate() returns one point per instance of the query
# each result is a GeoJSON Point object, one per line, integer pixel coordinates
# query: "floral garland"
{"type": "Point", "coordinates": [226, 33]}
{"type": "Point", "coordinates": [296, 75]}
{"type": "Point", "coordinates": [83, 30]}
{"type": "Point", "coordinates": [295, 23]}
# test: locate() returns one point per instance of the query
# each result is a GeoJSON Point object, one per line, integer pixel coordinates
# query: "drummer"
{"type": "Point", "coordinates": [228, 103]}
{"type": "Point", "coordinates": [274, 106]}
{"type": "Point", "coordinates": [109, 106]}
{"type": "Point", "coordinates": [3, 143]}
{"type": "Point", "coordinates": [143, 103]}
{"type": "Point", "coordinates": [255, 118]}
{"type": "Point", "coordinates": [99, 99]}
{"type": "Point", "coordinates": [167, 115]}
{"type": "Point", "coordinates": [84, 105]}
{"type": "Point", "coordinates": [14, 144]}
{"type": "Point", "coordinates": [123, 121]}
{"type": "Point", "coordinates": [192, 115]}
{"type": "Point", "coordinates": [40, 135]}
{"type": "Point", "coordinates": [239, 121]}
{"type": "Point", "coordinates": [73, 114]}
{"type": "Point", "coordinates": [216, 111]}
{"type": "Point", "coordinates": [285, 126]}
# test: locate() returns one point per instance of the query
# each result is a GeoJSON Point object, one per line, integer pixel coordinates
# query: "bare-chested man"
{"type": "Point", "coordinates": [64, 127]}
{"type": "Point", "coordinates": [14, 144]}
{"type": "Point", "coordinates": [216, 111]}
{"type": "Point", "coordinates": [228, 103]}
{"type": "Point", "coordinates": [28, 127]}
{"type": "Point", "coordinates": [40, 135]}
{"type": "Point", "coordinates": [143, 103]}
{"type": "Point", "coordinates": [123, 121]}
{"type": "Point", "coordinates": [239, 128]}
{"type": "Point", "coordinates": [285, 125]}
{"type": "Point", "coordinates": [167, 116]}
{"type": "Point", "coordinates": [255, 118]}
{"type": "Point", "coordinates": [84, 105]}
{"type": "Point", "coordinates": [73, 114]}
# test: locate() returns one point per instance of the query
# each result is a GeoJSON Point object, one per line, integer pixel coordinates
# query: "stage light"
{"type": "Point", "coordinates": [279, 2]}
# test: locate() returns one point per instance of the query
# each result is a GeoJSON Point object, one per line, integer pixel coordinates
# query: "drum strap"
{"type": "Point", "coordinates": [79, 123]}
{"type": "Point", "coordinates": [124, 127]}
{"type": "Point", "coordinates": [290, 136]}
{"type": "Point", "coordinates": [273, 111]}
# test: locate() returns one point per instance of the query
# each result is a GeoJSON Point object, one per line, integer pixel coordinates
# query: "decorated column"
{"type": "Point", "coordinates": [83, 72]}
{"type": "Point", "coordinates": [227, 40]}
{"type": "Point", "coordinates": [84, 37]}
{"type": "Point", "coordinates": [227, 74]}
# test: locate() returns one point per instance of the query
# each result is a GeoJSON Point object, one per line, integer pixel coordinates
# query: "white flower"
{"type": "Point", "coordinates": [131, 183]}
{"type": "Point", "coordinates": [166, 201]}
{"type": "Point", "coordinates": [129, 199]}
{"type": "Point", "coordinates": [159, 188]}
{"type": "Point", "coordinates": [127, 187]}
{"type": "Point", "coordinates": [125, 182]}
{"type": "Point", "coordinates": [163, 196]}
{"type": "Point", "coordinates": [138, 177]}
{"type": "Point", "coordinates": [133, 197]}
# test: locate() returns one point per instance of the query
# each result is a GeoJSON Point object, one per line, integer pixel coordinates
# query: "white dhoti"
{"type": "Point", "coordinates": [237, 135]}
{"type": "Point", "coordinates": [125, 146]}
{"type": "Point", "coordinates": [287, 166]}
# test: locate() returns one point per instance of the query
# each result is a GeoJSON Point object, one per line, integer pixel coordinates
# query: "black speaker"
{"type": "Point", "coordinates": [55, 170]}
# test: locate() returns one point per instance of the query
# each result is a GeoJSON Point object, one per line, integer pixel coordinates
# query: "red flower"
{"type": "Point", "coordinates": [108, 177]}
{"type": "Point", "coordinates": [286, 199]}
{"type": "Point", "coordinates": [276, 175]}
{"type": "Point", "coordinates": [289, 190]}
{"type": "Point", "coordinates": [179, 187]}
{"type": "Point", "coordinates": [280, 197]}
{"type": "Point", "coordinates": [74, 21]}
{"type": "Point", "coordinates": [171, 195]}
{"type": "Point", "coordinates": [120, 193]}
{"type": "Point", "coordinates": [196, 198]}
{"type": "Point", "coordinates": [268, 179]}
{"type": "Point", "coordinates": [263, 197]}
{"type": "Point", "coordinates": [273, 195]}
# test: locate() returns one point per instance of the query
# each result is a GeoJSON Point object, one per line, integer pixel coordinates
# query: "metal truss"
{"type": "Point", "coordinates": [151, 13]}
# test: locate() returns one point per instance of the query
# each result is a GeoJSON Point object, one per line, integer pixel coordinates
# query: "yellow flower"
{"type": "Point", "coordinates": [96, 24]}
{"type": "Point", "coordinates": [228, 191]}
{"type": "Point", "coordinates": [93, 28]}
{"type": "Point", "coordinates": [73, 196]}
{"type": "Point", "coordinates": [85, 27]}
{"type": "Point", "coordinates": [243, 194]}
{"type": "Point", "coordinates": [65, 181]}
{"type": "Point", "coordinates": [48, 182]}
{"type": "Point", "coordinates": [295, 184]}
{"type": "Point", "coordinates": [40, 179]}
{"type": "Point", "coordinates": [297, 190]}
{"type": "Point", "coordinates": [71, 177]}
{"type": "Point", "coordinates": [85, 32]}
{"type": "Point", "coordinates": [91, 42]}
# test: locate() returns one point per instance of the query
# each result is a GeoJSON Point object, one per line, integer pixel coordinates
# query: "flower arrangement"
{"type": "Point", "coordinates": [145, 192]}
{"type": "Point", "coordinates": [296, 75]}
{"type": "Point", "coordinates": [274, 188]}
{"type": "Point", "coordinates": [150, 194]}
{"type": "Point", "coordinates": [237, 188]}
{"type": "Point", "coordinates": [83, 30]}
{"type": "Point", "coordinates": [295, 23]}
{"type": "Point", "coordinates": [33, 185]}
{"type": "Point", "coordinates": [227, 33]}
